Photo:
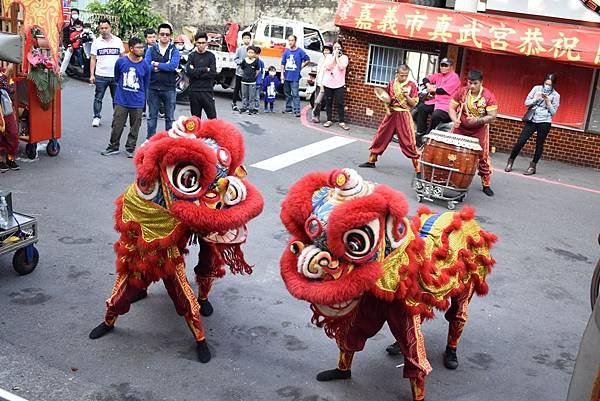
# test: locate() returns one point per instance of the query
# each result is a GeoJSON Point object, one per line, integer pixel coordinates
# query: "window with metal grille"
{"type": "Point", "coordinates": [383, 62]}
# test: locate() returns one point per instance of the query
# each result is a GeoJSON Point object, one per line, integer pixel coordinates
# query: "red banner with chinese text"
{"type": "Point", "coordinates": [488, 33]}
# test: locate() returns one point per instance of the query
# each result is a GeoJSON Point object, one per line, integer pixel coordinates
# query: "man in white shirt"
{"type": "Point", "coordinates": [105, 52]}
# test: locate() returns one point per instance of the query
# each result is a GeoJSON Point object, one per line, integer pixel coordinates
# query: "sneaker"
{"type": "Point", "coordinates": [242, 110]}
{"type": "Point", "coordinates": [327, 124]}
{"type": "Point", "coordinates": [12, 165]}
{"type": "Point", "coordinates": [161, 115]}
{"type": "Point", "coordinates": [4, 167]}
{"type": "Point", "coordinates": [297, 114]}
{"type": "Point", "coordinates": [367, 165]}
{"type": "Point", "coordinates": [286, 111]}
{"type": "Point", "coordinates": [344, 126]}
{"type": "Point", "coordinates": [265, 110]}
{"type": "Point", "coordinates": [488, 191]}
{"type": "Point", "coordinates": [96, 122]}
{"type": "Point", "coordinates": [393, 349]}
{"type": "Point", "coordinates": [316, 120]}
{"type": "Point", "coordinates": [254, 111]}
{"type": "Point", "coordinates": [450, 358]}
{"type": "Point", "coordinates": [129, 154]}
{"type": "Point", "coordinates": [234, 107]}
{"type": "Point", "coordinates": [110, 152]}
{"type": "Point", "coordinates": [144, 115]}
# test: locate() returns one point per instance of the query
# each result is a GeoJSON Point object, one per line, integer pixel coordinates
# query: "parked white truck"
{"type": "Point", "coordinates": [270, 34]}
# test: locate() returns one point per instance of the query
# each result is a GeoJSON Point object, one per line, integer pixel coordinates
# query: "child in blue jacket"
{"type": "Point", "coordinates": [270, 86]}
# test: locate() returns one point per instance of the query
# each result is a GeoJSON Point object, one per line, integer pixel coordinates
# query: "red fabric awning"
{"type": "Point", "coordinates": [483, 32]}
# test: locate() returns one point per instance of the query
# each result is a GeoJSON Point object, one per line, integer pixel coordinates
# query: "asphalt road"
{"type": "Point", "coordinates": [520, 342]}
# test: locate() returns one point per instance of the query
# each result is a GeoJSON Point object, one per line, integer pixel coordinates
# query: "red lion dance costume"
{"type": "Point", "coordinates": [189, 186]}
{"type": "Point", "coordinates": [356, 257]}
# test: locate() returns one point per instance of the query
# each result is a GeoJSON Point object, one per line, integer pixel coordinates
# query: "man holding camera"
{"type": "Point", "coordinates": [440, 87]}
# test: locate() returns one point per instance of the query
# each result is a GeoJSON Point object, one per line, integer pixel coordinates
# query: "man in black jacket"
{"type": "Point", "coordinates": [163, 58]}
{"type": "Point", "coordinates": [202, 70]}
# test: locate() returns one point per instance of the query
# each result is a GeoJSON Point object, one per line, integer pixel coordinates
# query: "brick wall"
{"type": "Point", "coordinates": [562, 144]}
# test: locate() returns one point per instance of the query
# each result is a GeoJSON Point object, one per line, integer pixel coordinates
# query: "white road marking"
{"type": "Point", "coordinates": [6, 396]}
{"type": "Point", "coordinates": [305, 152]}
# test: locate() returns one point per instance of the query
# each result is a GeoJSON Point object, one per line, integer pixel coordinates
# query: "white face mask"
{"type": "Point", "coordinates": [75, 16]}
{"type": "Point", "coordinates": [272, 73]}
{"type": "Point", "coordinates": [547, 88]}
{"type": "Point", "coordinates": [179, 46]}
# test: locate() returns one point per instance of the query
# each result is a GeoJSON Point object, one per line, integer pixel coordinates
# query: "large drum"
{"type": "Point", "coordinates": [450, 151]}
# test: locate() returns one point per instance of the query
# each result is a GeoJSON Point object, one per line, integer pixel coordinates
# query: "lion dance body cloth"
{"type": "Point", "coordinates": [190, 187]}
{"type": "Point", "coordinates": [360, 262]}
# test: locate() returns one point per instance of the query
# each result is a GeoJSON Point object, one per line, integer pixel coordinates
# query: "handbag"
{"type": "Point", "coordinates": [528, 116]}
{"type": "Point", "coordinates": [6, 103]}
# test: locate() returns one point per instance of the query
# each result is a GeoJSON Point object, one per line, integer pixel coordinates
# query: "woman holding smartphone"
{"type": "Point", "coordinates": [545, 101]}
{"type": "Point", "coordinates": [334, 82]}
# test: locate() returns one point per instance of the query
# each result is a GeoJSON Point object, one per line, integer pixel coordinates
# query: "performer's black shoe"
{"type": "Point", "coordinates": [488, 191]}
{"type": "Point", "coordinates": [203, 351]}
{"type": "Point", "coordinates": [393, 349]}
{"type": "Point", "coordinates": [419, 175]}
{"type": "Point", "coordinates": [450, 358]}
{"type": "Point", "coordinates": [140, 295]}
{"type": "Point", "coordinates": [100, 330]}
{"type": "Point", "coordinates": [206, 308]}
{"type": "Point", "coordinates": [334, 374]}
{"type": "Point", "coordinates": [367, 165]}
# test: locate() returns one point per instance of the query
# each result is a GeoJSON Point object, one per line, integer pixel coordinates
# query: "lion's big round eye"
{"type": "Point", "coordinates": [147, 190]}
{"type": "Point", "coordinates": [186, 178]}
{"type": "Point", "coordinates": [360, 242]}
{"type": "Point", "coordinates": [224, 157]}
{"type": "Point", "coordinates": [236, 191]}
{"type": "Point", "coordinates": [396, 231]}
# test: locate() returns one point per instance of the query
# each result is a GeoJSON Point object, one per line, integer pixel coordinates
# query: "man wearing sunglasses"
{"type": "Point", "coordinates": [202, 70]}
{"type": "Point", "coordinates": [163, 58]}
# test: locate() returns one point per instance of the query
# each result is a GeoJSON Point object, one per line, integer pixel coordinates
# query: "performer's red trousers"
{"type": "Point", "coordinates": [457, 315]}
{"type": "Point", "coordinates": [482, 133]}
{"type": "Point", "coordinates": [9, 139]}
{"type": "Point", "coordinates": [371, 315]}
{"type": "Point", "coordinates": [399, 123]}
{"type": "Point", "coordinates": [129, 285]}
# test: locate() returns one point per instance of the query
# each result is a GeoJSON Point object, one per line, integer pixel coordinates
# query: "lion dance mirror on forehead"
{"type": "Point", "coordinates": [190, 186]}
{"type": "Point", "coordinates": [360, 262]}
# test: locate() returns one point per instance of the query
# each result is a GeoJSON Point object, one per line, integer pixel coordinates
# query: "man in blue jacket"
{"type": "Point", "coordinates": [163, 58]}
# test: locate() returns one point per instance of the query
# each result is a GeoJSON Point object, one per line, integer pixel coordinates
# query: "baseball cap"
{"type": "Point", "coordinates": [446, 61]}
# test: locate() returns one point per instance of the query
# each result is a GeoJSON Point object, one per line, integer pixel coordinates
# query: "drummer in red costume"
{"type": "Point", "coordinates": [472, 109]}
{"type": "Point", "coordinates": [404, 95]}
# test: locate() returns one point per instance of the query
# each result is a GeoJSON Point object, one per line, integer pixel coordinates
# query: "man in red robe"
{"type": "Point", "coordinates": [404, 95]}
{"type": "Point", "coordinates": [472, 109]}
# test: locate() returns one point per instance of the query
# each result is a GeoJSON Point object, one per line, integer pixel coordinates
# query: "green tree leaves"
{"type": "Point", "coordinates": [134, 16]}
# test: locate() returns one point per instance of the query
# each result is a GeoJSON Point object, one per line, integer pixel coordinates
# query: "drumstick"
{"type": "Point", "coordinates": [460, 109]}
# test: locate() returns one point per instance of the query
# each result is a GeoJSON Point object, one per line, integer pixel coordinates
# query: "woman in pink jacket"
{"type": "Point", "coordinates": [334, 82]}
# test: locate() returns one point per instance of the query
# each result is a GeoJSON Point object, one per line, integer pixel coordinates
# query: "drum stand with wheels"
{"type": "Point", "coordinates": [426, 188]}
